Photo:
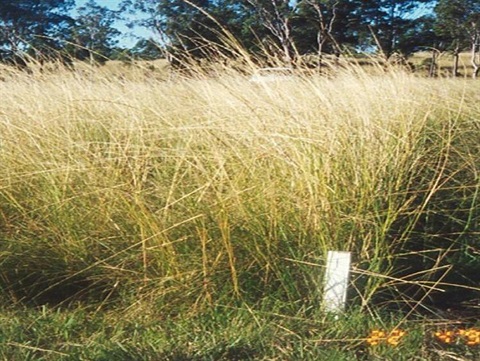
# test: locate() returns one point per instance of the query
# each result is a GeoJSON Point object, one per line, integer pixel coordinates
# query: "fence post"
{"type": "Point", "coordinates": [336, 281]}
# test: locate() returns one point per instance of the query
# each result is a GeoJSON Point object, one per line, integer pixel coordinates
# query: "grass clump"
{"type": "Point", "coordinates": [213, 202]}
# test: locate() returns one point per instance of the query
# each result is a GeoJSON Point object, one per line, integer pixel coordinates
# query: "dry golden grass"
{"type": "Point", "coordinates": [205, 188]}
{"type": "Point", "coordinates": [190, 216]}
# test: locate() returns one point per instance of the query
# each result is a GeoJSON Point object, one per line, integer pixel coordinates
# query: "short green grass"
{"type": "Point", "coordinates": [222, 333]}
{"type": "Point", "coordinates": [152, 217]}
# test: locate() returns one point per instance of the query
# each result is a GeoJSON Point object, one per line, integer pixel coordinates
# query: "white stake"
{"type": "Point", "coordinates": [336, 281]}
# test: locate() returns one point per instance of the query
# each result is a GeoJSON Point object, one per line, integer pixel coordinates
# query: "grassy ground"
{"type": "Point", "coordinates": [148, 217]}
{"type": "Point", "coordinates": [421, 62]}
{"type": "Point", "coordinates": [223, 333]}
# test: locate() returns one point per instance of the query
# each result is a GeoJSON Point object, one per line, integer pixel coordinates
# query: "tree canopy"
{"type": "Point", "coordinates": [33, 24]}
{"type": "Point", "coordinates": [282, 27]}
{"type": "Point", "coordinates": [93, 35]}
{"type": "Point", "coordinates": [292, 27]}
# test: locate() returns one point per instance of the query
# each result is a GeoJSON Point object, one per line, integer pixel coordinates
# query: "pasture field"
{"type": "Point", "coordinates": [153, 217]}
{"type": "Point", "coordinates": [421, 62]}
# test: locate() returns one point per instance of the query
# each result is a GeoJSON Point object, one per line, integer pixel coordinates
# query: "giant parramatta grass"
{"type": "Point", "coordinates": [174, 195]}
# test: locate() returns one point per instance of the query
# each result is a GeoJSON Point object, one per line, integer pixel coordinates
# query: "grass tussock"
{"type": "Point", "coordinates": [171, 196]}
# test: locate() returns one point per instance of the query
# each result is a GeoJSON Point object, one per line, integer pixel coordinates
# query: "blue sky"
{"type": "Point", "coordinates": [130, 36]}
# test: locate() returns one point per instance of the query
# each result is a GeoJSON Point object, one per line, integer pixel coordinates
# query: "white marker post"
{"type": "Point", "coordinates": [336, 281]}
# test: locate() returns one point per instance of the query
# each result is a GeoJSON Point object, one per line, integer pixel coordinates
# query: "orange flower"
{"type": "Point", "coordinates": [447, 336]}
{"type": "Point", "coordinates": [395, 336]}
{"type": "Point", "coordinates": [375, 337]}
{"type": "Point", "coordinates": [378, 336]}
{"type": "Point", "coordinates": [472, 336]}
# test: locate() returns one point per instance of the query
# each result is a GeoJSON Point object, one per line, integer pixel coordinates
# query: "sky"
{"type": "Point", "coordinates": [130, 36]}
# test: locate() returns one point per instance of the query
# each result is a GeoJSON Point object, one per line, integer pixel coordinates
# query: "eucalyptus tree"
{"type": "Point", "coordinates": [286, 27]}
{"type": "Point", "coordinates": [37, 26]}
{"type": "Point", "coordinates": [276, 17]}
{"type": "Point", "coordinates": [328, 26]}
{"type": "Point", "coordinates": [196, 28]}
{"type": "Point", "coordinates": [93, 34]}
{"type": "Point", "coordinates": [458, 23]}
{"type": "Point", "coordinates": [390, 25]}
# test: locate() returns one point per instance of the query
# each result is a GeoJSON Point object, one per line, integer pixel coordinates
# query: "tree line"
{"type": "Point", "coordinates": [46, 30]}
{"type": "Point", "coordinates": [288, 29]}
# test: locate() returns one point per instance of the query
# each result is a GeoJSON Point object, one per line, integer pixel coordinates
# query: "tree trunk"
{"type": "Point", "coordinates": [432, 71]}
{"type": "Point", "coordinates": [456, 56]}
{"type": "Point", "coordinates": [287, 58]}
{"type": "Point", "coordinates": [324, 32]}
{"type": "Point", "coordinates": [320, 42]}
{"type": "Point", "coordinates": [476, 71]}
{"type": "Point", "coordinates": [474, 60]}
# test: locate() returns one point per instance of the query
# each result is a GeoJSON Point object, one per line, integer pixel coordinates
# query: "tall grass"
{"type": "Point", "coordinates": [182, 194]}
